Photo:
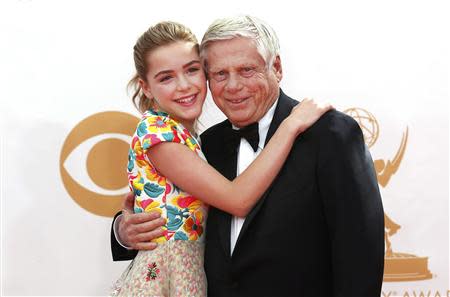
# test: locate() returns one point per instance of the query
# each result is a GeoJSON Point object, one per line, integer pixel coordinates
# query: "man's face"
{"type": "Point", "coordinates": [241, 85]}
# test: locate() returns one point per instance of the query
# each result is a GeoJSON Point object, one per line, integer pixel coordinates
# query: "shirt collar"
{"type": "Point", "coordinates": [264, 124]}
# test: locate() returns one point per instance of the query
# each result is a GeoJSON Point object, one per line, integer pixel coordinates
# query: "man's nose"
{"type": "Point", "coordinates": [233, 83]}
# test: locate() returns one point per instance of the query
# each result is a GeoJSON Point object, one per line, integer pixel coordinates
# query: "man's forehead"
{"type": "Point", "coordinates": [231, 65]}
{"type": "Point", "coordinates": [226, 53]}
{"type": "Point", "coordinates": [231, 42]}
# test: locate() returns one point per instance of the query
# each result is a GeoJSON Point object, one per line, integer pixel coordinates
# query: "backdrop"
{"type": "Point", "coordinates": [66, 120]}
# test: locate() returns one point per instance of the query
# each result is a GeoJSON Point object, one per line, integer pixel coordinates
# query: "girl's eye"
{"type": "Point", "coordinates": [193, 69]}
{"type": "Point", "coordinates": [165, 78]}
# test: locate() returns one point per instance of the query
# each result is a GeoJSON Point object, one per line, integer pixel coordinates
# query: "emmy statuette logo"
{"type": "Point", "coordinates": [398, 266]}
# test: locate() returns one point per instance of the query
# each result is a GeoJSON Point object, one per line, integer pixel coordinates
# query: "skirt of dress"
{"type": "Point", "coordinates": [174, 268]}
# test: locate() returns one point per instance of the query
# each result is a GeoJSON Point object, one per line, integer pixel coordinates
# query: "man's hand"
{"type": "Point", "coordinates": [136, 230]}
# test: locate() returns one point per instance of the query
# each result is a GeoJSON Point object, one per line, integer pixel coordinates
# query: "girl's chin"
{"type": "Point", "coordinates": [191, 114]}
{"type": "Point", "coordinates": [187, 118]}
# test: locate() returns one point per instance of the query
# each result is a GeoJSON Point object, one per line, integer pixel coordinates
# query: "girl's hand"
{"type": "Point", "coordinates": [306, 113]}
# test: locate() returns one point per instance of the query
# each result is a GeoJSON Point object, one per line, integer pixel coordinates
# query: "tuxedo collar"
{"type": "Point", "coordinates": [282, 111]}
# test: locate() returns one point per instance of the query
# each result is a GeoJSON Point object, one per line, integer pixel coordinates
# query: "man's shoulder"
{"type": "Point", "coordinates": [332, 122]}
{"type": "Point", "coordinates": [330, 119]}
{"type": "Point", "coordinates": [212, 139]}
{"type": "Point", "coordinates": [336, 117]}
{"type": "Point", "coordinates": [215, 131]}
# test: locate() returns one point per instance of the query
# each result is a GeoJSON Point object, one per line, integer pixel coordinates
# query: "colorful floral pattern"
{"type": "Point", "coordinates": [184, 213]}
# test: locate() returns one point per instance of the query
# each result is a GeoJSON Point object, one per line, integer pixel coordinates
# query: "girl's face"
{"type": "Point", "coordinates": [176, 81]}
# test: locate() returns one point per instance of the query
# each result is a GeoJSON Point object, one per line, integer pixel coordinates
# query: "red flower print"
{"type": "Point", "coordinates": [152, 271]}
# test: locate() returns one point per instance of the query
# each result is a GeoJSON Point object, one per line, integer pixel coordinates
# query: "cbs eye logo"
{"type": "Point", "coordinates": [94, 159]}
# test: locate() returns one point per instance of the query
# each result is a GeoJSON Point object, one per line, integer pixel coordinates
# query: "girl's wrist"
{"type": "Point", "coordinates": [293, 127]}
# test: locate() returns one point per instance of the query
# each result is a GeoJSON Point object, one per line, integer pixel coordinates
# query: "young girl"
{"type": "Point", "coordinates": [168, 172]}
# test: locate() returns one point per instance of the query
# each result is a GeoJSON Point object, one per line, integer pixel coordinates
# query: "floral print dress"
{"type": "Point", "coordinates": [175, 267]}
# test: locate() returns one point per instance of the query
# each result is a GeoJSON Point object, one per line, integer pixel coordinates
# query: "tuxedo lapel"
{"type": "Point", "coordinates": [226, 162]}
{"type": "Point", "coordinates": [282, 110]}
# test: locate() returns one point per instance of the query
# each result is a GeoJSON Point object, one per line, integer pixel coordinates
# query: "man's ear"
{"type": "Point", "coordinates": [277, 68]}
{"type": "Point", "coordinates": [145, 88]}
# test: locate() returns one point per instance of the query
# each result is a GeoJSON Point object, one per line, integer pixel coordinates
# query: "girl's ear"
{"type": "Point", "coordinates": [145, 88]}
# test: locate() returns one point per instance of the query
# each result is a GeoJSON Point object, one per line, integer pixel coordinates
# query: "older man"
{"type": "Point", "coordinates": [318, 230]}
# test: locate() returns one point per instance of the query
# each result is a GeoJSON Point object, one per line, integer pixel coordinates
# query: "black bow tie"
{"type": "Point", "coordinates": [250, 133]}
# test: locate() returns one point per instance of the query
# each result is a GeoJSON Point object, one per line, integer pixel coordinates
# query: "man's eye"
{"type": "Point", "coordinates": [220, 75]}
{"type": "Point", "coordinates": [247, 71]}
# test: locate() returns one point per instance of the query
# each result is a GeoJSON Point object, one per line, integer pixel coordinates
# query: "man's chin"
{"type": "Point", "coordinates": [239, 122]}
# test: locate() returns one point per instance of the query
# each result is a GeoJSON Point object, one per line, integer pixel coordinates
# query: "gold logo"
{"type": "Point", "coordinates": [367, 123]}
{"type": "Point", "coordinates": [101, 182]}
{"type": "Point", "coordinates": [398, 266]}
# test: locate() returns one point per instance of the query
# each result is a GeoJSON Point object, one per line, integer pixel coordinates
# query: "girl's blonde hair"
{"type": "Point", "coordinates": [161, 34]}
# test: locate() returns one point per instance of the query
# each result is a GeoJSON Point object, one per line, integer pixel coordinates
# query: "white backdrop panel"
{"type": "Point", "coordinates": [63, 61]}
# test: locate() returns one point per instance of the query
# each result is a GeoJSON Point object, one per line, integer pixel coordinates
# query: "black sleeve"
{"type": "Point", "coordinates": [353, 208]}
{"type": "Point", "coordinates": [119, 253]}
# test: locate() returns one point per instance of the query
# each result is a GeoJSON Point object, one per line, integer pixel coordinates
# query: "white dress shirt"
{"type": "Point", "coordinates": [246, 156]}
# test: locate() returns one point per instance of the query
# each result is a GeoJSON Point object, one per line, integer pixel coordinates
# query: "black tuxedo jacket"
{"type": "Point", "coordinates": [317, 231]}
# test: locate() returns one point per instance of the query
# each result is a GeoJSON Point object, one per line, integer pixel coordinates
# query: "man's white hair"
{"type": "Point", "coordinates": [258, 31]}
